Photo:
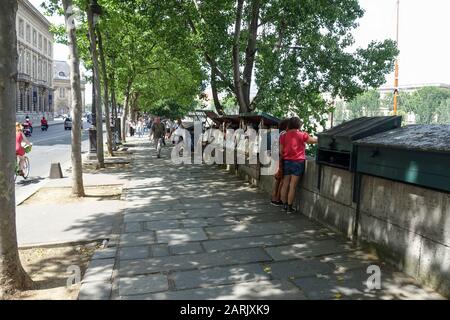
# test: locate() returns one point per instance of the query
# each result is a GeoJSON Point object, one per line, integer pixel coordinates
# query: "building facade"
{"type": "Point", "coordinates": [62, 89]}
{"type": "Point", "coordinates": [35, 65]}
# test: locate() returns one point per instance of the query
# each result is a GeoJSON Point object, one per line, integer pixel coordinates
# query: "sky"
{"type": "Point", "coordinates": [424, 40]}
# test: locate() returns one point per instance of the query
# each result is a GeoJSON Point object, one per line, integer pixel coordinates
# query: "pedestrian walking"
{"type": "Point", "coordinates": [293, 145]}
{"type": "Point", "coordinates": [158, 132]}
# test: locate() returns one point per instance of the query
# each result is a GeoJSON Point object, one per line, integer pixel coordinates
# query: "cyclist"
{"type": "Point", "coordinates": [20, 150]}
{"type": "Point", "coordinates": [158, 132]}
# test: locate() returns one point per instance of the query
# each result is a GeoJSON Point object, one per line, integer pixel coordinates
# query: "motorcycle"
{"type": "Point", "coordinates": [44, 127]}
{"type": "Point", "coordinates": [26, 129]}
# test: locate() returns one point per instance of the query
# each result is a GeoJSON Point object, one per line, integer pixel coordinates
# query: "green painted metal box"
{"type": "Point", "coordinates": [336, 147]}
{"type": "Point", "coordinates": [415, 154]}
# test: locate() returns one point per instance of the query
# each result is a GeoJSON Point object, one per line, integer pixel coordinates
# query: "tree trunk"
{"type": "Point", "coordinates": [105, 95]}
{"type": "Point", "coordinates": [125, 110]}
{"type": "Point", "coordinates": [250, 52]}
{"type": "Point", "coordinates": [236, 63]}
{"type": "Point", "coordinates": [217, 104]}
{"type": "Point", "coordinates": [96, 84]}
{"type": "Point", "coordinates": [77, 165]}
{"type": "Point", "coordinates": [12, 275]}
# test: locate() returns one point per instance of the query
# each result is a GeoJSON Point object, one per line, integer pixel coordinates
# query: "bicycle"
{"type": "Point", "coordinates": [26, 167]}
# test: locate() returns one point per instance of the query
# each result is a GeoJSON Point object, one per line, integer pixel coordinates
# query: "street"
{"type": "Point", "coordinates": [48, 146]}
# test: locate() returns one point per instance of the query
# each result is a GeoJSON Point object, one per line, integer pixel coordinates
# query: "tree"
{"type": "Point", "coordinates": [288, 51]}
{"type": "Point", "coordinates": [367, 104]}
{"type": "Point", "coordinates": [92, 8]}
{"type": "Point", "coordinates": [12, 275]}
{"type": "Point", "coordinates": [77, 165]}
{"type": "Point", "coordinates": [429, 105]}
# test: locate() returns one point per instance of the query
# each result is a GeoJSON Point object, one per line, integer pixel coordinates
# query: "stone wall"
{"type": "Point", "coordinates": [408, 226]}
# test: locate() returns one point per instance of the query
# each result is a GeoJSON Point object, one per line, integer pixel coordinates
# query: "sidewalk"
{"type": "Point", "coordinates": [197, 232]}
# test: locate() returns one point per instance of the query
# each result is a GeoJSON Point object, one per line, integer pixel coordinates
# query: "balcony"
{"type": "Point", "coordinates": [23, 77]}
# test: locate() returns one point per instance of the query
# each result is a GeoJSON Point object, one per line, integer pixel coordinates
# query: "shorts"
{"type": "Point", "coordinates": [293, 168]}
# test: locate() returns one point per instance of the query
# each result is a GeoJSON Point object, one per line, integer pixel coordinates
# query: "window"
{"type": "Point", "coordinates": [49, 74]}
{"type": "Point", "coordinates": [45, 46]}
{"type": "Point", "coordinates": [62, 93]}
{"type": "Point", "coordinates": [49, 48]}
{"type": "Point", "coordinates": [34, 38]}
{"type": "Point", "coordinates": [40, 70]}
{"type": "Point", "coordinates": [44, 69]}
{"type": "Point", "coordinates": [21, 28]}
{"type": "Point", "coordinates": [40, 42]}
{"type": "Point", "coordinates": [28, 71]}
{"type": "Point", "coordinates": [28, 34]}
{"type": "Point", "coordinates": [34, 66]}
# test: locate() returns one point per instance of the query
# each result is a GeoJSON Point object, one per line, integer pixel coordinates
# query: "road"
{"type": "Point", "coordinates": [48, 146]}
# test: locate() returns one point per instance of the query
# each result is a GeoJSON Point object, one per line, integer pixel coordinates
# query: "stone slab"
{"type": "Point", "coordinates": [186, 248]}
{"type": "Point", "coordinates": [137, 239]}
{"type": "Point", "coordinates": [99, 271]}
{"type": "Point", "coordinates": [195, 261]}
{"type": "Point", "coordinates": [142, 284]}
{"type": "Point", "coordinates": [218, 276]}
{"type": "Point", "coordinates": [162, 224]}
{"type": "Point", "coordinates": [308, 249]}
{"type": "Point", "coordinates": [298, 268]}
{"type": "Point", "coordinates": [179, 236]}
{"type": "Point", "coordinates": [130, 253]}
{"type": "Point", "coordinates": [255, 290]}
{"type": "Point", "coordinates": [261, 241]}
{"type": "Point", "coordinates": [95, 291]}
{"type": "Point", "coordinates": [249, 229]}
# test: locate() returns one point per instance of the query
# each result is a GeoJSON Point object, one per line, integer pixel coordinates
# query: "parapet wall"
{"type": "Point", "coordinates": [408, 226]}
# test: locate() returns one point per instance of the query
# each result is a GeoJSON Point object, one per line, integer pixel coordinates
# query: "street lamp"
{"type": "Point", "coordinates": [96, 11]}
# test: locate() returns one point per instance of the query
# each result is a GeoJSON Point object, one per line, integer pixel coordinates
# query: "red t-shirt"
{"type": "Point", "coordinates": [293, 143]}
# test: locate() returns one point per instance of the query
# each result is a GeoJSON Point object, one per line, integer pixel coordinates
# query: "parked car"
{"type": "Point", "coordinates": [68, 124]}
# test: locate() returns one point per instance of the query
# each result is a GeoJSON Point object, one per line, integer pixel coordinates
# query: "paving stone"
{"type": "Point", "coordinates": [142, 284]}
{"type": "Point", "coordinates": [139, 252]}
{"type": "Point", "coordinates": [249, 229]}
{"type": "Point", "coordinates": [148, 216]}
{"type": "Point", "coordinates": [259, 241]}
{"type": "Point", "coordinates": [194, 223]}
{"type": "Point", "coordinates": [186, 248]}
{"type": "Point", "coordinates": [255, 290]}
{"type": "Point", "coordinates": [133, 227]}
{"type": "Point", "coordinates": [99, 271]}
{"type": "Point", "coordinates": [197, 204]}
{"type": "Point", "coordinates": [200, 260]}
{"type": "Point", "coordinates": [222, 221]}
{"type": "Point", "coordinates": [268, 217]}
{"type": "Point", "coordinates": [219, 276]}
{"type": "Point", "coordinates": [163, 224]}
{"type": "Point", "coordinates": [179, 236]}
{"type": "Point", "coordinates": [106, 253]}
{"type": "Point", "coordinates": [307, 249]}
{"type": "Point", "coordinates": [95, 291]}
{"type": "Point", "coordinates": [137, 239]}
{"type": "Point", "coordinates": [160, 250]}
{"type": "Point", "coordinates": [298, 268]}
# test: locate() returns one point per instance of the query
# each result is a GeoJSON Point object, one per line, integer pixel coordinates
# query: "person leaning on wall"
{"type": "Point", "coordinates": [292, 148]}
{"type": "Point", "coordinates": [276, 193]}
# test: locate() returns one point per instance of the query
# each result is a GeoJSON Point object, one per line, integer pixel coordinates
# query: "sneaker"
{"type": "Point", "coordinates": [284, 207]}
{"type": "Point", "coordinates": [276, 203]}
{"type": "Point", "coordinates": [290, 209]}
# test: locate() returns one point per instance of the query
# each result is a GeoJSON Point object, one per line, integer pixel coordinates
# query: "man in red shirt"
{"type": "Point", "coordinates": [293, 144]}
